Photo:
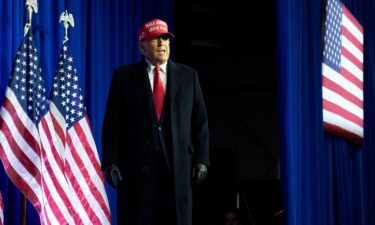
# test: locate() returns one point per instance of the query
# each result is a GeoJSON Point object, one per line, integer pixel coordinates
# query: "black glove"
{"type": "Point", "coordinates": [113, 175]}
{"type": "Point", "coordinates": [199, 173]}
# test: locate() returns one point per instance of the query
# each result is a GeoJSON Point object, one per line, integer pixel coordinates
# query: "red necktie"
{"type": "Point", "coordinates": [158, 92]}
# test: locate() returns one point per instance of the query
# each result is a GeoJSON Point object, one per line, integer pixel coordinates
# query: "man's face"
{"type": "Point", "coordinates": [156, 50]}
{"type": "Point", "coordinates": [231, 219]}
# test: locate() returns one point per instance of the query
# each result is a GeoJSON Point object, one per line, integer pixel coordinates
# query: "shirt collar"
{"type": "Point", "coordinates": [150, 66]}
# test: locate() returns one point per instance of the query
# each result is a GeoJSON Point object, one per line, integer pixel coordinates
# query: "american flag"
{"type": "Point", "coordinates": [342, 71]}
{"type": "Point", "coordinates": [70, 125]}
{"type": "Point", "coordinates": [24, 104]}
{"type": "Point", "coordinates": [23, 117]}
{"type": "Point", "coordinates": [1, 210]}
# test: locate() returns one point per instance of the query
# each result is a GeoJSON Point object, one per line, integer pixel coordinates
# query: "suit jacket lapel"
{"type": "Point", "coordinates": [141, 79]}
{"type": "Point", "coordinates": [173, 80]}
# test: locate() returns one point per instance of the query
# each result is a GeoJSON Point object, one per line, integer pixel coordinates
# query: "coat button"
{"type": "Point", "coordinates": [145, 168]}
{"type": "Point", "coordinates": [147, 142]}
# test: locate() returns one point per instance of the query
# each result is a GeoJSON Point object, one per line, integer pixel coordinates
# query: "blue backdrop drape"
{"type": "Point", "coordinates": [104, 37]}
{"type": "Point", "coordinates": [326, 179]}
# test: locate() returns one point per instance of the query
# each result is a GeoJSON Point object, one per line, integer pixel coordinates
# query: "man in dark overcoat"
{"type": "Point", "coordinates": [155, 134]}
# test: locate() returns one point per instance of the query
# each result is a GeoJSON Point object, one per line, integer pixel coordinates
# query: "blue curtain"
{"type": "Point", "coordinates": [326, 179]}
{"type": "Point", "coordinates": [104, 37]}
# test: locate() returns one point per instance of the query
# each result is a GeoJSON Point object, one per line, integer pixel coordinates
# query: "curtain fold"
{"type": "Point", "coordinates": [326, 179]}
{"type": "Point", "coordinates": [104, 37]}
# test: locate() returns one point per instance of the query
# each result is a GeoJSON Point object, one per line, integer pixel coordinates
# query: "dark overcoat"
{"type": "Point", "coordinates": [127, 131]}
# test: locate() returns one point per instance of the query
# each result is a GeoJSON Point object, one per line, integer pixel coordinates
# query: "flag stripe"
{"type": "Point", "coordinates": [352, 79]}
{"type": "Point", "coordinates": [55, 128]}
{"type": "Point", "coordinates": [334, 87]}
{"type": "Point", "coordinates": [55, 172]}
{"type": "Point", "coordinates": [87, 157]}
{"type": "Point", "coordinates": [81, 204]}
{"type": "Point", "coordinates": [27, 183]}
{"type": "Point", "coordinates": [58, 123]}
{"type": "Point", "coordinates": [91, 159]}
{"type": "Point", "coordinates": [77, 187]}
{"type": "Point", "coordinates": [343, 132]}
{"type": "Point", "coordinates": [81, 159]}
{"type": "Point", "coordinates": [49, 214]}
{"type": "Point", "coordinates": [18, 145]}
{"type": "Point", "coordinates": [350, 21]}
{"type": "Point", "coordinates": [21, 122]}
{"type": "Point", "coordinates": [49, 147]}
{"type": "Point", "coordinates": [351, 68]}
{"type": "Point", "coordinates": [351, 58]}
{"type": "Point", "coordinates": [353, 44]}
{"type": "Point", "coordinates": [350, 47]}
{"type": "Point", "coordinates": [339, 121]}
{"type": "Point", "coordinates": [43, 218]}
{"type": "Point", "coordinates": [86, 128]}
{"type": "Point", "coordinates": [16, 108]}
{"type": "Point", "coordinates": [334, 108]}
{"type": "Point", "coordinates": [59, 142]}
{"type": "Point", "coordinates": [332, 75]}
{"type": "Point", "coordinates": [339, 100]}
{"type": "Point", "coordinates": [54, 211]}
{"type": "Point", "coordinates": [26, 160]}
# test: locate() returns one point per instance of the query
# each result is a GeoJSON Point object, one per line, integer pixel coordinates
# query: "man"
{"type": "Point", "coordinates": [155, 134]}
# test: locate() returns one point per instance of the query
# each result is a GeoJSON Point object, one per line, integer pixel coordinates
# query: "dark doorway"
{"type": "Point", "coordinates": [233, 47]}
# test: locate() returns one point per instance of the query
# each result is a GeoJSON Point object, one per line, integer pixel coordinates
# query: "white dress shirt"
{"type": "Point", "coordinates": [151, 74]}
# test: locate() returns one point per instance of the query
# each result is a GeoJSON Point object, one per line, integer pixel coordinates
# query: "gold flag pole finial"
{"type": "Point", "coordinates": [68, 20]}
{"type": "Point", "coordinates": [32, 6]}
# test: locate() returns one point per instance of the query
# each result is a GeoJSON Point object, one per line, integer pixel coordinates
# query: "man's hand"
{"type": "Point", "coordinates": [113, 175]}
{"type": "Point", "coordinates": [199, 173]}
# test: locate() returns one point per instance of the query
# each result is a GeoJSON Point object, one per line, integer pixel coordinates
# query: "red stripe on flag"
{"type": "Point", "coordinates": [351, 58]}
{"type": "Point", "coordinates": [24, 131]}
{"type": "Point", "coordinates": [81, 195]}
{"type": "Point", "coordinates": [54, 151]}
{"type": "Point", "coordinates": [97, 164]}
{"type": "Point", "coordinates": [17, 150]}
{"type": "Point", "coordinates": [350, 77]}
{"type": "Point", "coordinates": [47, 222]}
{"type": "Point", "coordinates": [58, 129]}
{"type": "Point", "coordinates": [338, 110]}
{"type": "Point", "coordinates": [56, 180]}
{"type": "Point", "coordinates": [51, 202]}
{"type": "Point", "coordinates": [333, 86]}
{"type": "Point", "coordinates": [19, 181]}
{"type": "Point", "coordinates": [342, 132]}
{"type": "Point", "coordinates": [95, 192]}
{"type": "Point", "coordinates": [349, 35]}
{"type": "Point", "coordinates": [352, 18]}
{"type": "Point", "coordinates": [87, 148]}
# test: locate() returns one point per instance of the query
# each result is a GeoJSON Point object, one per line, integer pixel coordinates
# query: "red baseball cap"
{"type": "Point", "coordinates": [153, 29]}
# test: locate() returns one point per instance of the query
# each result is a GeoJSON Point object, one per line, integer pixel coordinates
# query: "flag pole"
{"type": "Point", "coordinates": [32, 6]}
{"type": "Point", "coordinates": [23, 209]}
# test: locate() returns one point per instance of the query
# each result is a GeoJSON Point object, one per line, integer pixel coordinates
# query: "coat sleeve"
{"type": "Point", "coordinates": [200, 126]}
{"type": "Point", "coordinates": [111, 127]}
